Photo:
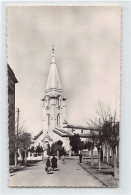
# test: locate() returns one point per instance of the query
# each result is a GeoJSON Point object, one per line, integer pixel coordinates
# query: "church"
{"type": "Point", "coordinates": [54, 112]}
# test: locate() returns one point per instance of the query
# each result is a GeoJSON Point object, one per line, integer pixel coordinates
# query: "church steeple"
{"type": "Point", "coordinates": [53, 87]}
{"type": "Point", "coordinates": [53, 102]}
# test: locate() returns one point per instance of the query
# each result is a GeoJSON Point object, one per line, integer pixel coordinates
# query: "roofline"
{"type": "Point", "coordinates": [12, 73]}
{"type": "Point", "coordinates": [80, 128]}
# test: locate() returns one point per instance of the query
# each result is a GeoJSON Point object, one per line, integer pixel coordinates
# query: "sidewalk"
{"type": "Point", "coordinates": [105, 175]}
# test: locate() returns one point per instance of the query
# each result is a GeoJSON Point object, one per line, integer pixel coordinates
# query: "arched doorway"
{"type": "Point", "coordinates": [46, 148]}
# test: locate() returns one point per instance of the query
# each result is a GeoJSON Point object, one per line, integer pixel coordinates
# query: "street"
{"type": "Point", "coordinates": [70, 174]}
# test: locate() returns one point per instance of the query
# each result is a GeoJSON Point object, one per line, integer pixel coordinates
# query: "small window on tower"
{"type": "Point", "coordinates": [58, 119]}
{"type": "Point", "coordinates": [48, 102]}
{"type": "Point", "coordinates": [48, 119]}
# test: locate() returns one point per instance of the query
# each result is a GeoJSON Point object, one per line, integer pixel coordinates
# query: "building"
{"type": "Point", "coordinates": [54, 110]}
{"type": "Point", "coordinates": [54, 106]}
{"type": "Point", "coordinates": [11, 113]}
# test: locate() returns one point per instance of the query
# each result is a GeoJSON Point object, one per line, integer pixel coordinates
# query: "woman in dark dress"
{"type": "Point", "coordinates": [54, 162]}
{"type": "Point", "coordinates": [48, 164]}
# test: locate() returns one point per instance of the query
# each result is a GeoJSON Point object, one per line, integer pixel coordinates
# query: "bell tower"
{"type": "Point", "coordinates": [53, 102]}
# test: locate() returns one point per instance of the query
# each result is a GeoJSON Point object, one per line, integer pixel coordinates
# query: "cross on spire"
{"type": "Point", "coordinates": [53, 49]}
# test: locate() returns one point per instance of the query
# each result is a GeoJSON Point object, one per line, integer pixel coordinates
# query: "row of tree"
{"type": "Point", "coordinates": [106, 132]}
{"type": "Point", "coordinates": [20, 141]}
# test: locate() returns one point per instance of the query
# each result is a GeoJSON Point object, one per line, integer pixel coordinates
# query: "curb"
{"type": "Point", "coordinates": [16, 170]}
{"type": "Point", "coordinates": [95, 176]}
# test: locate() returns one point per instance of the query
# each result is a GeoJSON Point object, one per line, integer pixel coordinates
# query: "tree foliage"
{"type": "Point", "coordinates": [24, 141]}
{"type": "Point", "coordinates": [88, 145]}
{"type": "Point", "coordinates": [76, 143]}
{"type": "Point", "coordinates": [39, 149]}
{"type": "Point", "coordinates": [108, 128]}
{"type": "Point", "coordinates": [57, 146]}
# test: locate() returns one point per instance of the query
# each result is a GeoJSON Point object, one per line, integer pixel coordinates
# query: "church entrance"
{"type": "Point", "coordinates": [46, 148]}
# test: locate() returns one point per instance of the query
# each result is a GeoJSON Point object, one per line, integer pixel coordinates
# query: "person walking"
{"type": "Point", "coordinates": [48, 164]}
{"type": "Point", "coordinates": [80, 157]}
{"type": "Point", "coordinates": [54, 162]}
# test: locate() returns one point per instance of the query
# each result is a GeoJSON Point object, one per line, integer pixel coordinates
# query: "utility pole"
{"type": "Point", "coordinates": [17, 130]}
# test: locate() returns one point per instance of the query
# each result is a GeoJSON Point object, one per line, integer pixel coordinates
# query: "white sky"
{"type": "Point", "coordinates": [87, 51]}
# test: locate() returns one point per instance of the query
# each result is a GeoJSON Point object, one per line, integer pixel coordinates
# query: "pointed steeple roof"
{"type": "Point", "coordinates": [53, 83]}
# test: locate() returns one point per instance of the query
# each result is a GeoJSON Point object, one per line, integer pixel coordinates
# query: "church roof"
{"type": "Point", "coordinates": [80, 127]}
{"type": "Point", "coordinates": [47, 137]}
{"type": "Point", "coordinates": [63, 132]}
{"type": "Point", "coordinates": [36, 136]}
{"type": "Point", "coordinates": [53, 82]}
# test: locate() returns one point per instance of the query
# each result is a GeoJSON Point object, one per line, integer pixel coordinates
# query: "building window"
{"type": "Point", "coordinates": [48, 119]}
{"type": "Point", "coordinates": [47, 102]}
{"type": "Point", "coordinates": [81, 130]}
{"type": "Point", "coordinates": [58, 119]}
{"type": "Point", "coordinates": [58, 102]}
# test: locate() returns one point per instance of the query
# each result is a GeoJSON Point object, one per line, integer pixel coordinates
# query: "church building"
{"type": "Point", "coordinates": [54, 111]}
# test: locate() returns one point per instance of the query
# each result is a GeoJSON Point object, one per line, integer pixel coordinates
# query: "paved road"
{"type": "Point", "coordinates": [70, 174]}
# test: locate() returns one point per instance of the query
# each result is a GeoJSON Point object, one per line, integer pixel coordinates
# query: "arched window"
{"type": "Point", "coordinates": [48, 119]}
{"type": "Point", "coordinates": [58, 119]}
{"type": "Point", "coordinates": [48, 102]}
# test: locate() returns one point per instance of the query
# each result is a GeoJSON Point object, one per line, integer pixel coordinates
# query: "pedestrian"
{"type": "Point", "coordinates": [54, 162]}
{"type": "Point", "coordinates": [47, 164]}
{"type": "Point", "coordinates": [80, 157]}
{"type": "Point", "coordinates": [63, 159]}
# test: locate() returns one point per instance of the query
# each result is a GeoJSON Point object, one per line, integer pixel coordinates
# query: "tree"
{"type": "Point", "coordinates": [108, 130]}
{"type": "Point", "coordinates": [39, 149]}
{"type": "Point", "coordinates": [111, 134]}
{"type": "Point", "coordinates": [75, 143]}
{"type": "Point", "coordinates": [88, 145]}
{"type": "Point", "coordinates": [57, 147]}
{"type": "Point", "coordinates": [59, 142]}
{"type": "Point", "coordinates": [24, 141]}
{"type": "Point", "coordinates": [96, 139]}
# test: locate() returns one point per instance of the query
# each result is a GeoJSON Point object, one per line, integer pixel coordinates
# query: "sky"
{"type": "Point", "coordinates": [87, 51]}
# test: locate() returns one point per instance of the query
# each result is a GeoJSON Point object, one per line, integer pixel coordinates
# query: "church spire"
{"type": "Point", "coordinates": [53, 87]}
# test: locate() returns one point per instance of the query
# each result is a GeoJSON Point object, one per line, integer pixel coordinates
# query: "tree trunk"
{"type": "Point", "coordinates": [16, 158]}
{"type": "Point", "coordinates": [99, 159]}
{"type": "Point", "coordinates": [92, 160]}
{"type": "Point", "coordinates": [115, 164]}
{"type": "Point", "coordinates": [25, 159]}
{"type": "Point", "coordinates": [118, 154]}
{"type": "Point", "coordinates": [108, 154]}
{"type": "Point", "coordinates": [105, 159]}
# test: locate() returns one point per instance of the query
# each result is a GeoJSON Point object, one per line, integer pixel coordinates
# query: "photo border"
{"type": "Point", "coordinates": [125, 125]}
